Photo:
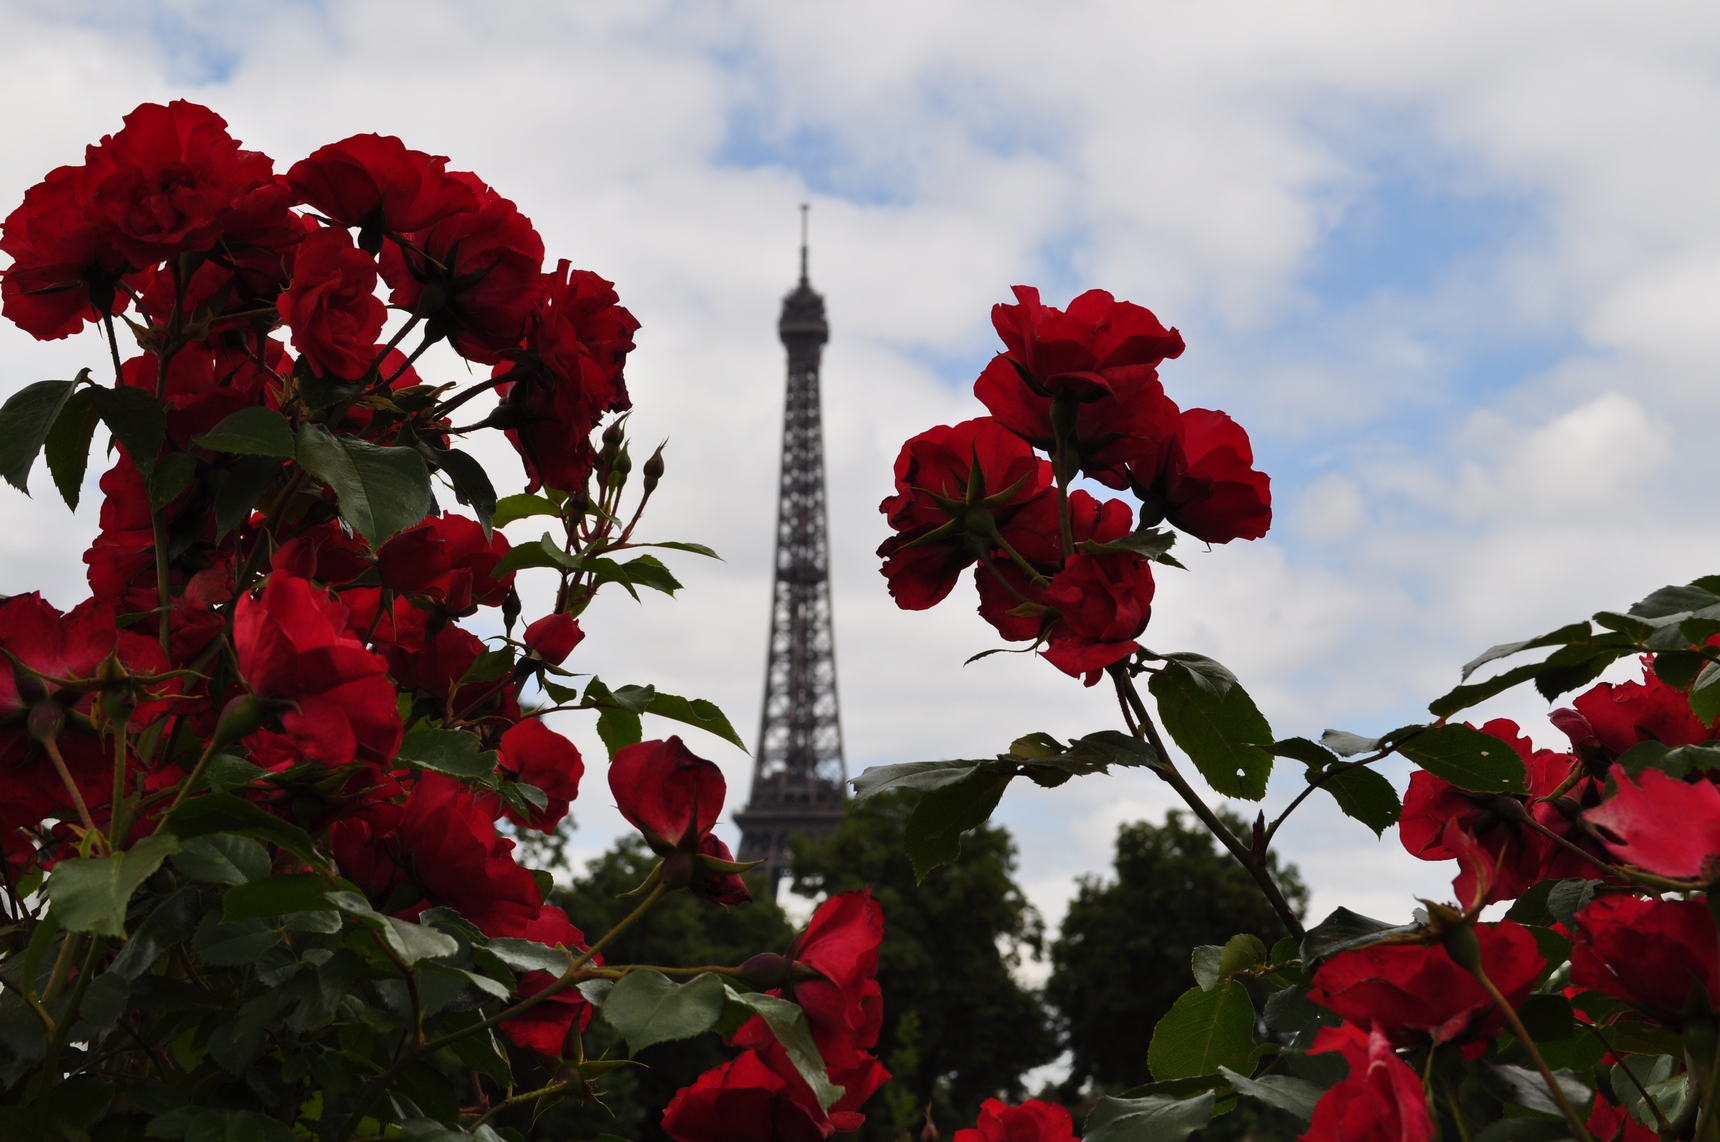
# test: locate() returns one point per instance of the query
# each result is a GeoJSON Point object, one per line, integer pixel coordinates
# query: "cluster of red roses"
{"type": "Point", "coordinates": [1055, 567]}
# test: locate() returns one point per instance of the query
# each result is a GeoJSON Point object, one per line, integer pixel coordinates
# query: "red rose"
{"type": "Point", "coordinates": [169, 180]}
{"type": "Point", "coordinates": [475, 276]}
{"type": "Point", "coordinates": [1630, 713]}
{"type": "Point", "coordinates": [959, 491]}
{"type": "Point", "coordinates": [1414, 994]}
{"type": "Point", "coordinates": [544, 1028]}
{"type": "Point", "coordinates": [859, 1076]}
{"type": "Point", "coordinates": [1654, 954]}
{"type": "Point", "coordinates": [448, 560]}
{"type": "Point", "coordinates": [1102, 602]}
{"type": "Point", "coordinates": [331, 305]}
{"type": "Point", "coordinates": [1032, 1121]}
{"type": "Point", "coordinates": [64, 267]}
{"type": "Point", "coordinates": [1664, 826]}
{"type": "Point", "coordinates": [1091, 350]}
{"type": "Point", "coordinates": [375, 183]}
{"type": "Point", "coordinates": [293, 649]}
{"type": "Point", "coordinates": [206, 383]}
{"type": "Point", "coordinates": [427, 653]}
{"type": "Point", "coordinates": [674, 798]}
{"type": "Point", "coordinates": [553, 637]}
{"type": "Point", "coordinates": [1609, 1123]}
{"type": "Point", "coordinates": [744, 1101]}
{"type": "Point", "coordinates": [1206, 484]}
{"type": "Point", "coordinates": [460, 860]}
{"type": "Point", "coordinates": [1004, 587]}
{"type": "Point", "coordinates": [535, 754]}
{"type": "Point", "coordinates": [1521, 856]}
{"type": "Point", "coordinates": [1381, 1101]}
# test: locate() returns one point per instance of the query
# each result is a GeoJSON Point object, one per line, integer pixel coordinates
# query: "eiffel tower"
{"type": "Point", "coordinates": [799, 772]}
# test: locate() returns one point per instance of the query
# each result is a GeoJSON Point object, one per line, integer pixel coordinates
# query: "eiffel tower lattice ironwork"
{"type": "Point", "coordinates": [799, 772]}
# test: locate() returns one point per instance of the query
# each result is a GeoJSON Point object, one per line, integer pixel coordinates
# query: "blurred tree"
{"type": "Point", "coordinates": [1121, 957]}
{"type": "Point", "coordinates": [958, 1026]}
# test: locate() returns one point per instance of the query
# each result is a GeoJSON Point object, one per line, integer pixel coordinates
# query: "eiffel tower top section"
{"type": "Point", "coordinates": [799, 771]}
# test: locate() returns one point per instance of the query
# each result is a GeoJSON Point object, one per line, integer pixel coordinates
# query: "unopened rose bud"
{"type": "Point", "coordinates": [553, 637]}
{"type": "Point", "coordinates": [240, 718]}
{"type": "Point", "coordinates": [46, 720]}
{"type": "Point", "coordinates": [510, 610]}
{"type": "Point", "coordinates": [653, 470]}
{"type": "Point", "coordinates": [431, 299]}
{"type": "Point", "coordinates": [1463, 948]}
{"type": "Point", "coordinates": [765, 970]}
{"type": "Point", "coordinates": [612, 437]}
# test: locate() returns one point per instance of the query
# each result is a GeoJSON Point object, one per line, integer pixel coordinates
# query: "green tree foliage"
{"type": "Point", "coordinates": [682, 931]}
{"type": "Point", "coordinates": [1122, 956]}
{"type": "Point", "coordinates": [958, 1027]}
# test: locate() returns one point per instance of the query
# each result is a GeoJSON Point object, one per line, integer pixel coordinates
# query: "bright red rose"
{"type": "Point", "coordinates": [169, 181]}
{"type": "Point", "coordinates": [336, 702]}
{"type": "Point", "coordinates": [1521, 856]}
{"type": "Point", "coordinates": [64, 267]}
{"type": "Point", "coordinates": [859, 1076]}
{"type": "Point", "coordinates": [448, 560]}
{"type": "Point", "coordinates": [474, 276]}
{"type": "Point", "coordinates": [1102, 602]}
{"type": "Point", "coordinates": [1032, 1121]}
{"type": "Point", "coordinates": [460, 860]}
{"type": "Point", "coordinates": [1381, 1100]}
{"type": "Point", "coordinates": [535, 754]}
{"type": "Point", "coordinates": [544, 1028]}
{"type": "Point", "coordinates": [959, 493]}
{"type": "Point", "coordinates": [375, 183]}
{"type": "Point", "coordinates": [1414, 994]}
{"type": "Point", "coordinates": [1206, 484]}
{"type": "Point", "coordinates": [331, 305]}
{"type": "Point", "coordinates": [1004, 587]}
{"type": "Point", "coordinates": [830, 972]}
{"type": "Point", "coordinates": [1663, 825]}
{"type": "Point", "coordinates": [1091, 350]}
{"type": "Point", "coordinates": [674, 798]}
{"type": "Point", "coordinates": [1630, 713]}
{"type": "Point", "coordinates": [744, 1100]}
{"type": "Point", "coordinates": [1654, 954]}
{"type": "Point", "coordinates": [553, 637]}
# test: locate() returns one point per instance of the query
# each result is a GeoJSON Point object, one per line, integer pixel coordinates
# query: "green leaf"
{"type": "Point", "coordinates": [619, 729]}
{"type": "Point", "coordinates": [136, 421]}
{"type": "Point", "coordinates": [1705, 694]}
{"type": "Point", "coordinates": [237, 496]}
{"type": "Point", "coordinates": [172, 475]}
{"type": "Point", "coordinates": [528, 955]}
{"type": "Point", "coordinates": [697, 712]}
{"type": "Point", "coordinates": [454, 752]}
{"type": "Point", "coordinates": [1468, 759]}
{"type": "Point", "coordinates": [479, 1051]}
{"type": "Point", "coordinates": [381, 490]}
{"type": "Point", "coordinates": [67, 445]}
{"type": "Point", "coordinates": [934, 832]}
{"type": "Point", "coordinates": [90, 894]}
{"type": "Point", "coordinates": [911, 775]}
{"type": "Point", "coordinates": [171, 922]}
{"type": "Point", "coordinates": [1524, 1087]}
{"type": "Point", "coordinates": [1366, 796]}
{"type": "Point", "coordinates": [278, 896]}
{"type": "Point", "coordinates": [236, 944]}
{"type": "Point", "coordinates": [203, 1124]}
{"type": "Point", "coordinates": [1202, 1031]}
{"type": "Point", "coordinates": [648, 1007]}
{"type": "Point", "coordinates": [1152, 1119]}
{"type": "Point", "coordinates": [788, 1023]}
{"type": "Point", "coordinates": [1311, 754]}
{"type": "Point", "coordinates": [677, 545]}
{"type": "Point", "coordinates": [1226, 737]}
{"type": "Point", "coordinates": [228, 772]}
{"type": "Point", "coordinates": [1341, 931]}
{"type": "Point", "coordinates": [225, 813]}
{"type": "Point", "coordinates": [471, 484]}
{"type": "Point", "coordinates": [645, 571]}
{"type": "Point", "coordinates": [1463, 697]}
{"type": "Point", "coordinates": [255, 431]}
{"type": "Point", "coordinates": [25, 420]}
{"type": "Point", "coordinates": [410, 942]}
{"type": "Point", "coordinates": [1150, 543]}
{"type": "Point", "coordinates": [544, 553]}
{"type": "Point", "coordinates": [511, 508]}
{"type": "Point", "coordinates": [1286, 1092]}
{"type": "Point", "coordinates": [1574, 632]}
{"type": "Point", "coordinates": [222, 858]}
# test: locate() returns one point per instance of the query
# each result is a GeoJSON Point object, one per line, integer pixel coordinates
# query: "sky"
{"type": "Point", "coordinates": [1455, 267]}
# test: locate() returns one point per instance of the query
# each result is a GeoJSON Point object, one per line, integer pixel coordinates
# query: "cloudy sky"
{"type": "Point", "coordinates": [1455, 266]}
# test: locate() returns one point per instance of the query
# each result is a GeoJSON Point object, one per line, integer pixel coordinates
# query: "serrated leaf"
{"type": "Point", "coordinates": [255, 431]}
{"type": "Point", "coordinates": [1202, 1031]}
{"type": "Point", "coordinates": [136, 420]}
{"type": "Point", "coordinates": [472, 484]}
{"type": "Point", "coordinates": [695, 712]}
{"type": "Point", "coordinates": [67, 446]}
{"type": "Point", "coordinates": [222, 858]}
{"type": "Point", "coordinates": [172, 475]}
{"type": "Point", "coordinates": [1468, 759]}
{"type": "Point", "coordinates": [1341, 931]}
{"type": "Point", "coordinates": [1366, 796]}
{"type": "Point", "coordinates": [233, 945]}
{"type": "Point", "coordinates": [90, 894]}
{"type": "Point", "coordinates": [237, 495]}
{"type": "Point", "coordinates": [619, 729]}
{"type": "Point", "coordinates": [1226, 737]}
{"type": "Point", "coordinates": [528, 955]}
{"type": "Point", "coordinates": [648, 1007]}
{"type": "Point", "coordinates": [225, 813]}
{"type": "Point", "coordinates": [788, 1023]}
{"type": "Point", "coordinates": [1151, 1119]}
{"type": "Point", "coordinates": [1305, 751]}
{"type": "Point", "coordinates": [278, 896]}
{"type": "Point", "coordinates": [454, 752]}
{"type": "Point", "coordinates": [381, 491]}
{"type": "Point", "coordinates": [25, 420]}
{"type": "Point", "coordinates": [1463, 697]}
{"type": "Point", "coordinates": [544, 553]}
{"type": "Point", "coordinates": [934, 832]}
{"type": "Point", "coordinates": [410, 942]}
{"type": "Point", "coordinates": [522, 506]}
{"type": "Point", "coordinates": [911, 775]}
{"type": "Point", "coordinates": [1286, 1092]}
{"type": "Point", "coordinates": [678, 545]}
{"type": "Point", "coordinates": [1573, 632]}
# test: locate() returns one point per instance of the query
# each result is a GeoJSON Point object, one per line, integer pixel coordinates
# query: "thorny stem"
{"type": "Point", "coordinates": [62, 965]}
{"type": "Point", "coordinates": [190, 782]}
{"type": "Point", "coordinates": [1254, 862]}
{"type": "Point", "coordinates": [1578, 1130]}
{"type": "Point", "coordinates": [515, 1100]}
{"type": "Point", "coordinates": [89, 823]}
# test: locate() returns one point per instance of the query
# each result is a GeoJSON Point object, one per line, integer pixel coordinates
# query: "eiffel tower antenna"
{"type": "Point", "coordinates": [798, 771]}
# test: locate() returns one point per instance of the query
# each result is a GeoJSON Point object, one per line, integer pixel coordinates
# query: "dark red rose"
{"type": "Point", "coordinates": [1032, 1121]}
{"type": "Point", "coordinates": [293, 649]}
{"type": "Point", "coordinates": [448, 560]}
{"type": "Point", "coordinates": [1003, 585]}
{"type": "Point", "coordinates": [1520, 856]}
{"type": "Point", "coordinates": [208, 383]}
{"type": "Point", "coordinates": [64, 266]}
{"type": "Point", "coordinates": [427, 653]}
{"type": "Point", "coordinates": [959, 491]}
{"type": "Point", "coordinates": [169, 181]}
{"type": "Point", "coordinates": [1206, 484]}
{"type": "Point", "coordinates": [475, 276]}
{"type": "Point", "coordinates": [1629, 713]}
{"type": "Point", "coordinates": [674, 798]}
{"type": "Point", "coordinates": [859, 1076]}
{"type": "Point", "coordinates": [460, 860]}
{"type": "Point", "coordinates": [375, 183]}
{"type": "Point", "coordinates": [331, 305]}
{"type": "Point", "coordinates": [553, 637]}
{"type": "Point", "coordinates": [1102, 603]}
{"type": "Point", "coordinates": [364, 841]}
{"type": "Point", "coordinates": [324, 553]}
{"type": "Point", "coordinates": [1609, 1123]}
{"type": "Point", "coordinates": [830, 972]}
{"type": "Point", "coordinates": [1087, 351]}
{"type": "Point", "coordinates": [1415, 994]}
{"type": "Point", "coordinates": [1658, 955]}
{"type": "Point", "coordinates": [744, 1100]}
{"type": "Point", "coordinates": [544, 1028]}
{"type": "Point", "coordinates": [1382, 1099]}
{"type": "Point", "coordinates": [1663, 825]}
{"type": "Point", "coordinates": [535, 754]}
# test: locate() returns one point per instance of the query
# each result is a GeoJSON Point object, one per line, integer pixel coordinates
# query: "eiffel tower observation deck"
{"type": "Point", "coordinates": [798, 771]}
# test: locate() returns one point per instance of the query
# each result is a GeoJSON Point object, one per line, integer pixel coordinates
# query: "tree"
{"type": "Point", "coordinates": [1121, 957]}
{"type": "Point", "coordinates": [958, 1026]}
